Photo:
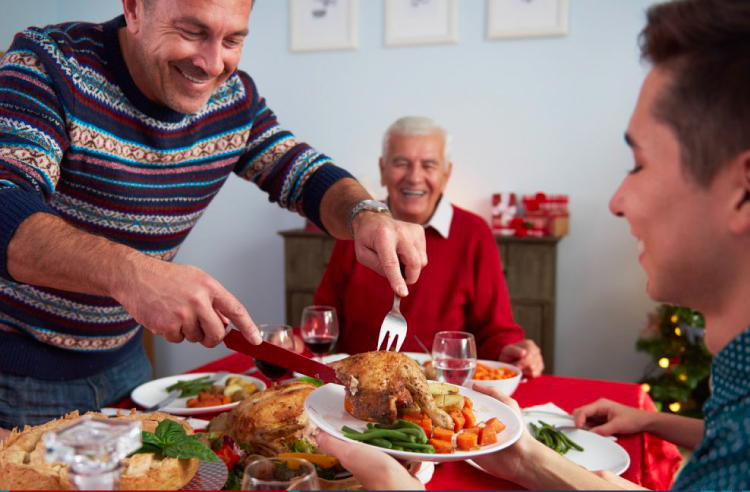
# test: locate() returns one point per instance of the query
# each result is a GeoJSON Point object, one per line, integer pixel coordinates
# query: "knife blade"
{"type": "Point", "coordinates": [282, 357]}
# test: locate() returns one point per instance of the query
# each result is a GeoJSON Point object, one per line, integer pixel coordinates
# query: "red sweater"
{"type": "Point", "coordinates": [461, 288]}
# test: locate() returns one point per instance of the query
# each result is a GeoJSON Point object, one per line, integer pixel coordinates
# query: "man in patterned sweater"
{"type": "Point", "coordinates": [113, 140]}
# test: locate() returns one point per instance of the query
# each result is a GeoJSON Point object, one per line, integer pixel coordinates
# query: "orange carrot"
{"type": "Point", "coordinates": [458, 420]}
{"type": "Point", "coordinates": [442, 434]}
{"type": "Point", "coordinates": [487, 435]}
{"type": "Point", "coordinates": [442, 447]}
{"type": "Point", "coordinates": [468, 414]}
{"type": "Point", "coordinates": [468, 403]}
{"type": "Point", "coordinates": [496, 424]}
{"type": "Point", "coordinates": [426, 424]}
{"type": "Point", "coordinates": [348, 404]}
{"type": "Point", "coordinates": [466, 441]}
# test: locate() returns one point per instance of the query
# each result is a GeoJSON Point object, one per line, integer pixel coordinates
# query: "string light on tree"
{"type": "Point", "coordinates": [677, 378]}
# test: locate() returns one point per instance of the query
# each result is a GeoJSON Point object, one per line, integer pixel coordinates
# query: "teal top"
{"type": "Point", "coordinates": [722, 461]}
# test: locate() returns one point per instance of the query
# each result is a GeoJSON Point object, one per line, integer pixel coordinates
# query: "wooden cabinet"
{"type": "Point", "coordinates": [529, 265]}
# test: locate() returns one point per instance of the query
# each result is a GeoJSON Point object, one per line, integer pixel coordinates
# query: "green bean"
{"type": "Point", "coordinates": [382, 443]}
{"type": "Point", "coordinates": [570, 442]}
{"type": "Point", "coordinates": [398, 448]}
{"type": "Point", "coordinates": [402, 423]}
{"type": "Point", "coordinates": [383, 433]}
{"type": "Point", "coordinates": [425, 448]}
{"type": "Point", "coordinates": [418, 432]}
{"type": "Point", "coordinates": [350, 430]}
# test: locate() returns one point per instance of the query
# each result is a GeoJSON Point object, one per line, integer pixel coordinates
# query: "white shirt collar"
{"type": "Point", "coordinates": [442, 218]}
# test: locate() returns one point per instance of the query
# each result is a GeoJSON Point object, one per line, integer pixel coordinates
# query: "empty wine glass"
{"type": "Point", "coordinates": [280, 474]}
{"type": "Point", "coordinates": [282, 336]}
{"type": "Point", "coordinates": [455, 356]}
{"type": "Point", "coordinates": [320, 329]}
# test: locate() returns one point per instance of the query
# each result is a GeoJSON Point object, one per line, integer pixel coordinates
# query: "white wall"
{"type": "Point", "coordinates": [527, 115]}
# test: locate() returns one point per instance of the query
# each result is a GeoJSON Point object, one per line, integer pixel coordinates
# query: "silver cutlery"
{"type": "Point", "coordinates": [394, 325]}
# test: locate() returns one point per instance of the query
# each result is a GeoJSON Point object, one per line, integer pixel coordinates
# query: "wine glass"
{"type": "Point", "coordinates": [319, 329]}
{"type": "Point", "coordinates": [282, 336]}
{"type": "Point", "coordinates": [455, 356]}
{"type": "Point", "coordinates": [280, 474]}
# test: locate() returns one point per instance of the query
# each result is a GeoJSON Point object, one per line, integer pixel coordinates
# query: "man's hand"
{"type": "Point", "coordinates": [181, 302]}
{"type": "Point", "coordinates": [374, 469]}
{"type": "Point", "coordinates": [611, 418]}
{"type": "Point", "coordinates": [381, 242]}
{"type": "Point", "coordinates": [525, 355]}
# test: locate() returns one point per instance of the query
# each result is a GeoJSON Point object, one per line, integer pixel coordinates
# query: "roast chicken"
{"type": "Point", "coordinates": [271, 420]}
{"type": "Point", "coordinates": [380, 385]}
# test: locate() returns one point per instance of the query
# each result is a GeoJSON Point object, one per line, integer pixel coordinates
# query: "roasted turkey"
{"type": "Point", "coordinates": [380, 385]}
{"type": "Point", "coordinates": [271, 420]}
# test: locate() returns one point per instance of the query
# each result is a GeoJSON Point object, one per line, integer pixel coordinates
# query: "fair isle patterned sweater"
{"type": "Point", "coordinates": [78, 139]}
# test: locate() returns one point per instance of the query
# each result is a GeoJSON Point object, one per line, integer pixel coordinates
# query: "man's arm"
{"type": "Point", "coordinates": [615, 418]}
{"type": "Point", "coordinates": [172, 300]}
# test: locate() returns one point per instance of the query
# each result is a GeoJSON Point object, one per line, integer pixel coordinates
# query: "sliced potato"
{"type": "Point", "coordinates": [453, 402]}
{"type": "Point", "coordinates": [232, 389]}
{"type": "Point", "coordinates": [442, 388]}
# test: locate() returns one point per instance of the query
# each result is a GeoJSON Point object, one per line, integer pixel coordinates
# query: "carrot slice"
{"type": "Point", "coordinates": [487, 435]}
{"type": "Point", "coordinates": [458, 420]}
{"type": "Point", "coordinates": [442, 434]}
{"type": "Point", "coordinates": [348, 404]}
{"type": "Point", "coordinates": [496, 424]}
{"type": "Point", "coordinates": [468, 414]}
{"type": "Point", "coordinates": [442, 447]}
{"type": "Point", "coordinates": [466, 441]}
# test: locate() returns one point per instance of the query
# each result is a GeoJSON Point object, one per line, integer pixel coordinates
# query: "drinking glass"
{"type": "Point", "coordinates": [283, 336]}
{"type": "Point", "coordinates": [280, 474]}
{"type": "Point", "coordinates": [455, 356]}
{"type": "Point", "coordinates": [319, 329]}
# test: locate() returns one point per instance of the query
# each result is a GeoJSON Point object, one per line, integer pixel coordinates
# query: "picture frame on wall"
{"type": "Point", "coordinates": [421, 22]}
{"type": "Point", "coordinates": [527, 18]}
{"type": "Point", "coordinates": [320, 25]}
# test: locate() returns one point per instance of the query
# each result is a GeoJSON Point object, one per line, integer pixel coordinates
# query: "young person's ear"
{"type": "Point", "coordinates": [741, 220]}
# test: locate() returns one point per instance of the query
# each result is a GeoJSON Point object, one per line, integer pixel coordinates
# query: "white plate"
{"type": "Point", "coordinates": [154, 391]}
{"type": "Point", "coordinates": [325, 407]}
{"type": "Point", "coordinates": [327, 359]}
{"type": "Point", "coordinates": [599, 453]}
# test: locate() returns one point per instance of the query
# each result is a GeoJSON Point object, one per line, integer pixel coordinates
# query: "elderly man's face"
{"type": "Point", "coordinates": [415, 173]}
{"type": "Point", "coordinates": [183, 50]}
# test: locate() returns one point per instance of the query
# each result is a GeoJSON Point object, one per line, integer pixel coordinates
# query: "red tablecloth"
{"type": "Point", "coordinates": [653, 462]}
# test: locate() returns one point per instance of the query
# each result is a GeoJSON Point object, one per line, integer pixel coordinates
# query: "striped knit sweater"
{"type": "Point", "coordinates": [78, 139]}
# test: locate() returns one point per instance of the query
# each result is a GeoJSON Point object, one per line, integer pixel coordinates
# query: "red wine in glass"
{"type": "Point", "coordinates": [320, 345]}
{"type": "Point", "coordinates": [271, 371]}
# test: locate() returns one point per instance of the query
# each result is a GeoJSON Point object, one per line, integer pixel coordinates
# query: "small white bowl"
{"type": "Point", "coordinates": [507, 386]}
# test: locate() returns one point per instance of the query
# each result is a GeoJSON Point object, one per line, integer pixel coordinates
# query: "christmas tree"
{"type": "Point", "coordinates": [677, 379]}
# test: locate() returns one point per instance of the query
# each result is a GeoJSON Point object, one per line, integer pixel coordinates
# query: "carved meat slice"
{"type": "Point", "coordinates": [380, 384]}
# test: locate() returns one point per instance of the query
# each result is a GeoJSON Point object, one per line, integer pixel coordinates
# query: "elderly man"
{"type": "Point", "coordinates": [114, 138]}
{"type": "Point", "coordinates": [463, 287]}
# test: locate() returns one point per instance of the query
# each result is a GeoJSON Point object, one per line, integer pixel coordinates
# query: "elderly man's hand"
{"type": "Point", "coordinates": [525, 355]}
{"type": "Point", "coordinates": [380, 241]}
{"type": "Point", "coordinates": [179, 302]}
{"type": "Point", "coordinates": [374, 469]}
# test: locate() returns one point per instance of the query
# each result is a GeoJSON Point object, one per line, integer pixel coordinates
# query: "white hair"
{"type": "Point", "coordinates": [419, 126]}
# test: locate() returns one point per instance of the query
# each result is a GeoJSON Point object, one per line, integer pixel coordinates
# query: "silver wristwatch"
{"type": "Point", "coordinates": [370, 206]}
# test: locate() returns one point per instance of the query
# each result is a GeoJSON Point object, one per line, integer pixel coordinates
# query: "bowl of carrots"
{"type": "Point", "coordinates": [497, 374]}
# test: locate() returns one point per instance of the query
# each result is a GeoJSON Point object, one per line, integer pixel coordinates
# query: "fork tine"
{"type": "Point", "coordinates": [391, 339]}
{"type": "Point", "coordinates": [400, 342]}
{"type": "Point", "coordinates": [381, 337]}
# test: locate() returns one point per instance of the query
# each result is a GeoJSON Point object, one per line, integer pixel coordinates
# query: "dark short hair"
{"type": "Point", "coordinates": [705, 46]}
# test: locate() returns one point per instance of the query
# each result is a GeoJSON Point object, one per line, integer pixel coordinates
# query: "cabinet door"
{"type": "Point", "coordinates": [296, 302]}
{"type": "Point", "coordinates": [537, 321]}
{"type": "Point", "coordinates": [530, 272]}
{"type": "Point", "coordinates": [304, 267]}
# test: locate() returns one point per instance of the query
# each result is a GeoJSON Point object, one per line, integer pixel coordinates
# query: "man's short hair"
{"type": "Point", "coordinates": [705, 46]}
{"type": "Point", "coordinates": [419, 126]}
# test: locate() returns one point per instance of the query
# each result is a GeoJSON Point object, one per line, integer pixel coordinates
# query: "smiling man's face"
{"type": "Point", "coordinates": [181, 51]}
{"type": "Point", "coordinates": [415, 173]}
